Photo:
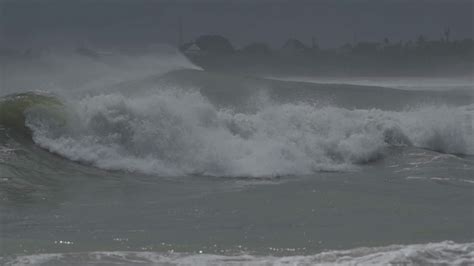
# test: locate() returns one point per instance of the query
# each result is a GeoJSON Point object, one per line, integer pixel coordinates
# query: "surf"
{"type": "Point", "coordinates": [174, 132]}
{"type": "Point", "coordinates": [166, 117]}
{"type": "Point", "coordinates": [446, 252]}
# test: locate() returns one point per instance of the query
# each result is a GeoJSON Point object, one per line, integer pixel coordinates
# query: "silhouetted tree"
{"type": "Point", "coordinates": [214, 44]}
{"type": "Point", "coordinates": [294, 46]}
{"type": "Point", "coordinates": [366, 48]}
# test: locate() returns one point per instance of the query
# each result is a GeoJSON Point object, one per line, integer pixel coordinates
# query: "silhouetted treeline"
{"type": "Point", "coordinates": [420, 56]}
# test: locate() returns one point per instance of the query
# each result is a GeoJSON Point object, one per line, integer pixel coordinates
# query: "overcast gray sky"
{"type": "Point", "coordinates": [140, 22]}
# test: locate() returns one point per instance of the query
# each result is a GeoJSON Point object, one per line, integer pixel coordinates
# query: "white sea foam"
{"type": "Point", "coordinates": [442, 253]}
{"type": "Point", "coordinates": [175, 132]}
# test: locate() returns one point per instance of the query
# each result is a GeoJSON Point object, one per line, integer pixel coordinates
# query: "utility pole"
{"type": "Point", "coordinates": [447, 33]}
{"type": "Point", "coordinates": [180, 33]}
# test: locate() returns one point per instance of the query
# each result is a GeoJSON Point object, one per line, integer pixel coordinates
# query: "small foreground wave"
{"type": "Point", "coordinates": [442, 253]}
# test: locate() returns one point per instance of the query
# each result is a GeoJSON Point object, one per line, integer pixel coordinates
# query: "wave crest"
{"type": "Point", "coordinates": [175, 132]}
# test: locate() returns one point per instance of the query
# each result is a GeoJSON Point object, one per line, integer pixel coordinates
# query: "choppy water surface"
{"type": "Point", "coordinates": [189, 167]}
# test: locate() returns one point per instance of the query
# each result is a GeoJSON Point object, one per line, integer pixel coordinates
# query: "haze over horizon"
{"type": "Point", "coordinates": [111, 23]}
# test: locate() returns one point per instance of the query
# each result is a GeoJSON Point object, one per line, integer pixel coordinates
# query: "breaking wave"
{"type": "Point", "coordinates": [175, 132]}
{"type": "Point", "coordinates": [442, 253]}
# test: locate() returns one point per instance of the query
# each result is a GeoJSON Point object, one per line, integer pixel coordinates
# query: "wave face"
{"type": "Point", "coordinates": [13, 107]}
{"type": "Point", "coordinates": [442, 253]}
{"type": "Point", "coordinates": [177, 132]}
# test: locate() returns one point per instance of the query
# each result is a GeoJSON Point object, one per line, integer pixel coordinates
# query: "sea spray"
{"type": "Point", "coordinates": [177, 132]}
{"type": "Point", "coordinates": [67, 71]}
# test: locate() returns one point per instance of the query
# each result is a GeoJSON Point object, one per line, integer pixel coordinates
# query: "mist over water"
{"type": "Point", "coordinates": [69, 70]}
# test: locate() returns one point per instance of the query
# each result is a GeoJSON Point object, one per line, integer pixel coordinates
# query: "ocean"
{"type": "Point", "coordinates": [130, 159]}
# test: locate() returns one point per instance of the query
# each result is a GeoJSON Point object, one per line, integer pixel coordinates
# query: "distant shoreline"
{"type": "Point", "coordinates": [335, 66]}
{"type": "Point", "coordinates": [422, 57]}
